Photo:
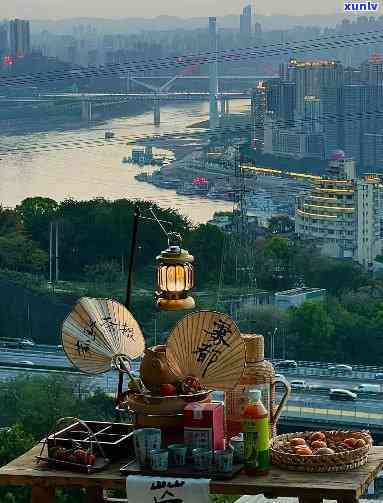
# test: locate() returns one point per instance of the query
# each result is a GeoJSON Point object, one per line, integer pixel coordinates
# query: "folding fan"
{"type": "Point", "coordinates": [101, 334]}
{"type": "Point", "coordinates": [207, 345]}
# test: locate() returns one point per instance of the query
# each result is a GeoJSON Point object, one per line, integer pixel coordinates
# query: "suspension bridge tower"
{"type": "Point", "coordinates": [213, 75]}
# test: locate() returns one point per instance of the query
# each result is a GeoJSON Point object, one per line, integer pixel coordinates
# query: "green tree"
{"type": "Point", "coordinates": [311, 332]}
{"type": "Point", "coordinates": [205, 243]}
{"type": "Point", "coordinates": [36, 214]}
{"type": "Point", "coordinates": [21, 254]}
{"type": "Point", "coordinates": [14, 441]}
{"type": "Point", "coordinates": [8, 221]}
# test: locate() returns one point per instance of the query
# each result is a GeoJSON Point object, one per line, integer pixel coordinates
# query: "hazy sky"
{"type": "Point", "coordinates": [150, 8]}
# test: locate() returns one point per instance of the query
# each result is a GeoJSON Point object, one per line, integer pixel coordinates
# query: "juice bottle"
{"type": "Point", "coordinates": [256, 435]}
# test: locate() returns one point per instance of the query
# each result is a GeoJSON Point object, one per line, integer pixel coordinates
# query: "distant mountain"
{"type": "Point", "coordinates": [134, 25]}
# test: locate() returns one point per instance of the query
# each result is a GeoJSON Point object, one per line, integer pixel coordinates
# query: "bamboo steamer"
{"type": "Point", "coordinates": [258, 373]}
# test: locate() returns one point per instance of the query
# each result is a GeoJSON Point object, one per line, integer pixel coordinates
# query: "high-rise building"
{"type": "Point", "coordinates": [19, 38]}
{"type": "Point", "coordinates": [352, 120]}
{"type": "Point", "coordinates": [281, 100]}
{"type": "Point", "coordinates": [331, 98]}
{"type": "Point", "coordinates": [372, 70]}
{"type": "Point", "coordinates": [312, 76]}
{"type": "Point", "coordinates": [258, 111]}
{"type": "Point", "coordinates": [312, 114]}
{"type": "Point", "coordinates": [245, 22]}
{"type": "Point", "coordinates": [373, 150]}
{"type": "Point", "coordinates": [341, 213]}
{"type": "Point", "coordinates": [3, 38]}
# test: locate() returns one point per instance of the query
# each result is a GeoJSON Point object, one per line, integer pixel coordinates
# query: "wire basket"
{"type": "Point", "coordinates": [74, 457]}
{"type": "Point", "coordinates": [283, 455]}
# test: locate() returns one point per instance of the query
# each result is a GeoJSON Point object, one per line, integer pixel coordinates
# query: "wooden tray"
{"type": "Point", "coordinates": [187, 471]}
{"type": "Point", "coordinates": [99, 464]}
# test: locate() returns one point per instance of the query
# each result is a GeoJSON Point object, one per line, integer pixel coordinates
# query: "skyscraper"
{"type": "Point", "coordinates": [19, 38]}
{"type": "Point", "coordinates": [3, 38]}
{"type": "Point", "coordinates": [372, 70]}
{"type": "Point", "coordinates": [281, 100]}
{"type": "Point", "coordinates": [245, 24]}
{"type": "Point", "coordinates": [312, 114]}
{"type": "Point", "coordinates": [258, 111]}
{"type": "Point", "coordinates": [312, 76]}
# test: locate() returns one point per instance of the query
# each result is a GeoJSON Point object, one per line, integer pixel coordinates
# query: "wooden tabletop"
{"type": "Point", "coordinates": [347, 487]}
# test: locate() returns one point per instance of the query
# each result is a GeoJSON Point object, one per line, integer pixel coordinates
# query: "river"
{"type": "Point", "coordinates": [80, 164]}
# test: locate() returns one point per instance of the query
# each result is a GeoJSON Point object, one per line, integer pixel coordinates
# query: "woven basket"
{"type": "Point", "coordinates": [338, 462]}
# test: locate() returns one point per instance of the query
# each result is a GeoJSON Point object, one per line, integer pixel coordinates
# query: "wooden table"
{"type": "Point", "coordinates": [309, 488]}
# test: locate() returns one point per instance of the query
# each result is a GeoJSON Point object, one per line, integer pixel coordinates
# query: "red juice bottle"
{"type": "Point", "coordinates": [255, 426]}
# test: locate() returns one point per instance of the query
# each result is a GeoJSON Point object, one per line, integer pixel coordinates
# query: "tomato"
{"type": "Point", "coordinates": [80, 456]}
{"type": "Point", "coordinates": [167, 390]}
{"type": "Point", "coordinates": [91, 459]}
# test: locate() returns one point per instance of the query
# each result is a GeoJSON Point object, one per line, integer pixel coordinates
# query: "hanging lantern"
{"type": "Point", "coordinates": [175, 276]}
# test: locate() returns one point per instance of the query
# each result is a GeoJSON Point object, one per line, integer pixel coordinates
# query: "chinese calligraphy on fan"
{"type": "Point", "coordinates": [91, 328]}
{"type": "Point", "coordinates": [209, 352]}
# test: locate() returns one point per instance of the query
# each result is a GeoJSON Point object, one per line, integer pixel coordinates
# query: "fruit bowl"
{"type": "Point", "coordinates": [304, 451]}
{"type": "Point", "coordinates": [163, 405]}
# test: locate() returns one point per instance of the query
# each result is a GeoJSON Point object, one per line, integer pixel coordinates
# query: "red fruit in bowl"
{"type": "Point", "coordinates": [167, 390]}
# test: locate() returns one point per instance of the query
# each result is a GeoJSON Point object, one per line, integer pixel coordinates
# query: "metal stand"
{"type": "Point", "coordinates": [129, 292]}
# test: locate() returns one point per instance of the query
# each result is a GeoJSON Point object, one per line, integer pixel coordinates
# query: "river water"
{"type": "Point", "coordinates": [80, 164]}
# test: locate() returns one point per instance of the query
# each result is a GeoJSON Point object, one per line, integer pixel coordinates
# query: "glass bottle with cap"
{"type": "Point", "coordinates": [256, 435]}
{"type": "Point", "coordinates": [259, 374]}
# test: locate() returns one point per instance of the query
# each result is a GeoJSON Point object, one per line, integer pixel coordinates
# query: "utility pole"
{"type": "Point", "coordinates": [57, 251]}
{"type": "Point", "coordinates": [50, 252]}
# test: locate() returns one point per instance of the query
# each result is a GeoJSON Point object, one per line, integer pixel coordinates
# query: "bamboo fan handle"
{"type": "Point", "coordinates": [286, 385]}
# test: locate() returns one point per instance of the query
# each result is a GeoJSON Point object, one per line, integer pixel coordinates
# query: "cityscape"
{"type": "Point", "coordinates": [252, 142]}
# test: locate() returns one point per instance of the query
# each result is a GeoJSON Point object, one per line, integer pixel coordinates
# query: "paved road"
{"type": "Point", "coordinates": [54, 359]}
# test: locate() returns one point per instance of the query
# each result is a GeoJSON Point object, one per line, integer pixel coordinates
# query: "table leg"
{"type": "Point", "coordinates": [42, 494]}
{"type": "Point", "coordinates": [94, 495]}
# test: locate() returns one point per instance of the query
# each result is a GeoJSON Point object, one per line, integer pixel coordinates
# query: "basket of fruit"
{"type": "Point", "coordinates": [321, 451]}
{"type": "Point", "coordinates": [74, 455]}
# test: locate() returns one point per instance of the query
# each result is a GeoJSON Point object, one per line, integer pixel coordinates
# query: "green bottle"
{"type": "Point", "coordinates": [255, 427]}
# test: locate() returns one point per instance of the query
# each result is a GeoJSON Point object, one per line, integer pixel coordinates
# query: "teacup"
{"type": "Point", "coordinates": [177, 454]}
{"type": "Point", "coordinates": [224, 460]}
{"type": "Point", "coordinates": [202, 459]}
{"type": "Point", "coordinates": [145, 440]}
{"type": "Point", "coordinates": [159, 460]}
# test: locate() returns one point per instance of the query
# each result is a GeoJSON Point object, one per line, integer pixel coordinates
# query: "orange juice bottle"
{"type": "Point", "coordinates": [255, 424]}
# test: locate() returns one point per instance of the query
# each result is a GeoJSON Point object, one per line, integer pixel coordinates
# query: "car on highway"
{"type": "Point", "coordinates": [340, 368]}
{"type": "Point", "coordinates": [299, 385]}
{"type": "Point", "coordinates": [26, 363]}
{"type": "Point", "coordinates": [27, 343]}
{"type": "Point", "coordinates": [342, 394]}
{"type": "Point", "coordinates": [372, 388]}
{"type": "Point", "coordinates": [286, 364]}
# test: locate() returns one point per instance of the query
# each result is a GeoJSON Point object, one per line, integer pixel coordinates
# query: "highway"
{"type": "Point", "coordinates": [53, 359]}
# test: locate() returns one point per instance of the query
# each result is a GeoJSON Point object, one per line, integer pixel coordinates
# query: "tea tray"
{"type": "Point", "coordinates": [187, 471]}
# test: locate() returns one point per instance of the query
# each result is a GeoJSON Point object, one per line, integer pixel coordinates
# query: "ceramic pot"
{"type": "Point", "coordinates": [155, 369]}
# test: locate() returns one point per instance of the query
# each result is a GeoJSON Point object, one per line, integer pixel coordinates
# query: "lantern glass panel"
{"type": "Point", "coordinates": [162, 277]}
{"type": "Point", "coordinates": [180, 274]}
{"type": "Point", "coordinates": [170, 278]}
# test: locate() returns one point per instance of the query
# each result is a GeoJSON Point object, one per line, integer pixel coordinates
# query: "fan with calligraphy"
{"type": "Point", "coordinates": [208, 346]}
{"type": "Point", "coordinates": [101, 334]}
